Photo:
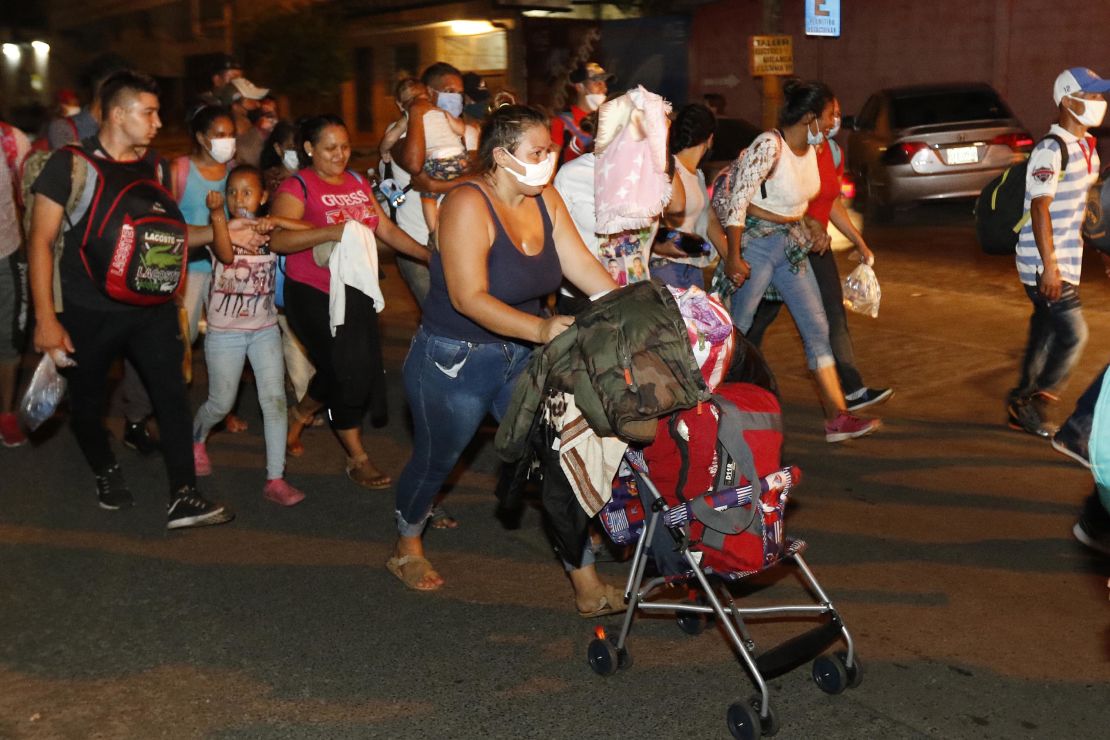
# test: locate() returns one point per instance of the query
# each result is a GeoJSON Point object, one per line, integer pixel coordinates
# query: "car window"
{"type": "Point", "coordinates": [951, 106]}
{"type": "Point", "coordinates": [868, 113]}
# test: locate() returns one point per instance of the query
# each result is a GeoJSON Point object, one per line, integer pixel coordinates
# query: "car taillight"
{"type": "Point", "coordinates": [847, 187]}
{"type": "Point", "coordinates": [902, 153]}
{"type": "Point", "coordinates": [1021, 142]}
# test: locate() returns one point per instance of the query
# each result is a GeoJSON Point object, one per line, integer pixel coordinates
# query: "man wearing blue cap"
{"type": "Point", "coordinates": [1062, 168]}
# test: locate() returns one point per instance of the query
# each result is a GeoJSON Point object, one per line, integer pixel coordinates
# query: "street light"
{"type": "Point", "coordinates": [11, 51]}
{"type": "Point", "coordinates": [470, 28]}
{"type": "Point", "coordinates": [41, 47]}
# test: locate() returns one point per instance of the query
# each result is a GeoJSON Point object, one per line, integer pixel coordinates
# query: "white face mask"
{"type": "Point", "coordinates": [1093, 112]}
{"type": "Point", "coordinates": [594, 101]}
{"type": "Point", "coordinates": [223, 149]}
{"type": "Point", "coordinates": [813, 139]}
{"type": "Point", "coordinates": [290, 160]}
{"type": "Point", "coordinates": [834, 130]}
{"type": "Point", "coordinates": [536, 175]}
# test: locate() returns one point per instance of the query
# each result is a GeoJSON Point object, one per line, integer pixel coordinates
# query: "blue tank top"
{"type": "Point", "coordinates": [515, 278]}
{"type": "Point", "coordinates": [195, 209]}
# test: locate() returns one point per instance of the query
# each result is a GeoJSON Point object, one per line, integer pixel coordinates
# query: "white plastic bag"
{"type": "Point", "coordinates": [43, 394]}
{"type": "Point", "coordinates": [861, 291]}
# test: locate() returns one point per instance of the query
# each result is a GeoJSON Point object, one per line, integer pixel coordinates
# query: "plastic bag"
{"type": "Point", "coordinates": [43, 394]}
{"type": "Point", "coordinates": [861, 291]}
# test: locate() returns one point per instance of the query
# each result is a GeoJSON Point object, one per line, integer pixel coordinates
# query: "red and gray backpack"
{"type": "Point", "coordinates": [133, 236]}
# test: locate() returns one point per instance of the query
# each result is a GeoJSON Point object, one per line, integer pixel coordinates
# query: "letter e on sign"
{"type": "Point", "coordinates": [822, 18]}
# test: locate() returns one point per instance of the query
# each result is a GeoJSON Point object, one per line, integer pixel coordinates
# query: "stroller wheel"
{"type": "Point", "coordinates": [743, 721]}
{"type": "Point", "coordinates": [830, 674]}
{"type": "Point", "coordinates": [691, 624]}
{"type": "Point", "coordinates": [603, 657]}
{"type": "Point", "coordinates": [855, 673]}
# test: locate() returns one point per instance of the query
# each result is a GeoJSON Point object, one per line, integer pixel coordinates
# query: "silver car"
{"type": "Point", "coordinates": [929, 142]}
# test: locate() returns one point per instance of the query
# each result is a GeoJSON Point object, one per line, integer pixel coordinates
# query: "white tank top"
{"type": "Point", "coordinates": [793, 183]}
{"type": "Point", "coordinates": [440, 142]}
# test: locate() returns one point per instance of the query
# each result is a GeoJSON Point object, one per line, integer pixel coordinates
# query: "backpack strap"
{"type": "Point", "coordinates": [731, 425]}
{"type": "Point", "coordinates": [304, 185]}
{"type": "Point", "coordinates": [180, 175]}
{"type": "Point", "coordinates": [837, 154]}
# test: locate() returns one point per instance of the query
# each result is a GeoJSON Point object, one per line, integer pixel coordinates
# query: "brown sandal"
{"type": "Point", "coordinates": [609, 601]}
{"type": "Point", "coordinates": [411, 570]}
{"type": "Point", "coordinates": [293, 446]}
{"type": "Point", "coordinates": [362, 471]}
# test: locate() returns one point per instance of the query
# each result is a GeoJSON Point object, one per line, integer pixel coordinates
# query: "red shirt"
{"type": "Point", "coordinates": [325, 204]}
{"type": "Point", "coordinates": [558, 129]}
{"type": "Point", "coordinates": [821, 206]}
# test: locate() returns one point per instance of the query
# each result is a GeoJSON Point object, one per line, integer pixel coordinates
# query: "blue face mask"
{"type": "Point", "coordinates": [450, 102]}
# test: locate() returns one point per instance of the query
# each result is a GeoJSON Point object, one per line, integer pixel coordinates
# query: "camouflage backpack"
{"type": "Point", "coordinates": [32, 168]}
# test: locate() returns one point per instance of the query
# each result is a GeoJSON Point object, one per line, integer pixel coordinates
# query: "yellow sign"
{"type": "Point", "coordinates": [772, 55]}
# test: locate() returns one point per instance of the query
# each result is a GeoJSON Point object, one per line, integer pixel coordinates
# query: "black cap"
{"type": "Point", "coordinates": [475, 87]}
{"type": "Point", "coordinates": [224, 62]}
{"type": "Point", "coordinates": [590, 71]}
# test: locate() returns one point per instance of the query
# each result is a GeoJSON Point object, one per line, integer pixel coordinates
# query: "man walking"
{"type": "Point", "coordinates": [94, 329]}
{"type": "Point", "coordinates": [1062, 167]}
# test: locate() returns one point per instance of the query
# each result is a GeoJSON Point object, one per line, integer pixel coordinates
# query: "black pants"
{"type": "Point", "coordinates": [150, 339]}
{"type": "Point", "coordinates": [832, 298]}
{"type": "Point", "coordinates": [350, 375]}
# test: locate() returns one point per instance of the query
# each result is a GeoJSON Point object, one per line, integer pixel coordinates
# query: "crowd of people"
{"type": "Point", "coordinates": [492, 207]}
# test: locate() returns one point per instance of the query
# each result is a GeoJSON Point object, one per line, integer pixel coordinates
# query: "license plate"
{"type": "Point", "coordinates": [963, 155]}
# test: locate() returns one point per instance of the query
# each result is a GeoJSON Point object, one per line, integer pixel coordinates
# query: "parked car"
{"type": "Point", "coordinates": [930, 142]}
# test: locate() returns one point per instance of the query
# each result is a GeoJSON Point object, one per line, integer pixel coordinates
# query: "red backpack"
{"type": "Point", "coordinates": [733, 440]}
{"type": "Point", "coordinates": [133, 236]}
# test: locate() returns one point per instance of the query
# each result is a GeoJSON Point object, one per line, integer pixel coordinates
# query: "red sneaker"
{"type": "Point", "coordinates": [847, 426]}
{"type": "Point", "coordinates": [280, 492]}
{"type": "Point", "coordinates": [11, 435]}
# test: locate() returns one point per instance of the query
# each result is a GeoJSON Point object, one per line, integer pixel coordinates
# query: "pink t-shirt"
{"type": "Point", "coordinates": [325, 204]}
{"type": "Point", "coordinates": [242, 294]}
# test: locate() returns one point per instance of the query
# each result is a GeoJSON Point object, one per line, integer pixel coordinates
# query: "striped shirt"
{"type": "Point", "coordinates": [1069, 203]}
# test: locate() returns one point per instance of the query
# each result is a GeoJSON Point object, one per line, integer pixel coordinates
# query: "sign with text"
{"type": "Point", "coordinates": [822, 17]}
{"type": "Point", "coordinates": [772, 55]}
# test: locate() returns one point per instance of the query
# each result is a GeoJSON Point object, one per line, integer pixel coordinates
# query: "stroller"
{"type": "Point", "coordinates": [832, 673]}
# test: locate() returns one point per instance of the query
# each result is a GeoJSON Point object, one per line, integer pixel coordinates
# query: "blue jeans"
{"type": "Point", "coordinates": [677, 274]}
{"type": "Point", "coordinates": [767, 257]}
{"type": "Point", "coordinates": [225, 352]}
{"type": "Point", "coordinates": [1057, 335]}
{"type": "Point", "coordinates": [451, 385]}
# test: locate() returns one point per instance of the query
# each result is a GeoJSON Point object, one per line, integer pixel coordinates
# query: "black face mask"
{"type": "Point", "coordinates": [477, 110]}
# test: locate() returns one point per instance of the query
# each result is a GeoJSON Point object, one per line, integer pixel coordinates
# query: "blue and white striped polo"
{"type": "Point", "coordinates": [1069, 203]}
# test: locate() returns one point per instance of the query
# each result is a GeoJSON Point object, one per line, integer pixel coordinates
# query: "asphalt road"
{"type": "Point", "coordinates": [944, 540]}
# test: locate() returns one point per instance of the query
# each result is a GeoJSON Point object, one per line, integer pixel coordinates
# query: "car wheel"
{"type": "Point", "coordinates": [876, 209]}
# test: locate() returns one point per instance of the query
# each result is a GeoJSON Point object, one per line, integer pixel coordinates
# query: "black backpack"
{"type": "Point", "coordinates": [1000, 209]}
{"type": "Point", "coordinates": [133, 236]}
{"type": "Point", "coordinates": [1096, 222]}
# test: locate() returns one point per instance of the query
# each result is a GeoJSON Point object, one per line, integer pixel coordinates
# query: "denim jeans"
{"type": "Point", "coordinates": [451, 385]}
{"type": "Point", "coordinates": [677, 274]}
{"type": "Point", "coordinates": [832, 298]}
{"type": "Point", "coordinates": [225, 352]}
{"type": "Point", "coordinates": [1081, 421]}
{"type": "Point", "coordinates": [1057, 335]}
{"type": "Point", "coordinates": [767, 257]}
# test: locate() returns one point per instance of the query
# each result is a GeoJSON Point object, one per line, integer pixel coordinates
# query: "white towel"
{"type": "Point", "coordinates": [353, 262]}
{"type": "Point", "coordinates": [590, 462]}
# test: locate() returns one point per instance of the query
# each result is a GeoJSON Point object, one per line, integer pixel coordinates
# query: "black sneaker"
{"type": "Point", "coordinates": [868, 397]}
{"type": "Point", "coordinates": [1067, 442]}
{"type": "Point", "coordinates": [1093, 527]}
{"type": "Point", "coordinates": [137, 437]}
{"type": "Point", "coordinates": [112, 491]}
{"type": "Point", "coordinates": [189, 509]}
{"type": "Point", "coordinates": [1027, 415]}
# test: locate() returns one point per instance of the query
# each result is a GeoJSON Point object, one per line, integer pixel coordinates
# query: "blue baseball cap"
{"type": "Point", "coordinates": [1077, 80]}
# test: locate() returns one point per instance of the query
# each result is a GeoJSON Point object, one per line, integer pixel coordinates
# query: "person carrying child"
{"type": "Point", "coordinates": [435, 140]}
{"type": "Point", "coordinates": [242, 324]}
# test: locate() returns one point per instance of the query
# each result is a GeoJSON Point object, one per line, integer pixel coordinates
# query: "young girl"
{"type": "Point", "coordinates": [242, 324]}
{"type": "Point", "coordinates": [445, 156]}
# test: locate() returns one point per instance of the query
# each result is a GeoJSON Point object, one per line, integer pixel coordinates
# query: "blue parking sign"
{"type": "Point", "coordinates": [822, 17]}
